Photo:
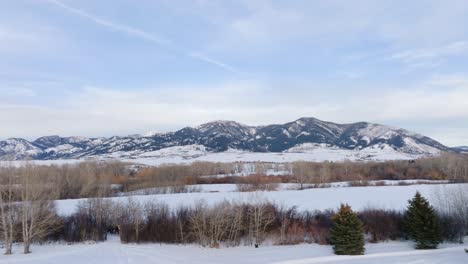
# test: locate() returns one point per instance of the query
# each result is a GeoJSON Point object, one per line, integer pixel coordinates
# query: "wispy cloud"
{"type": "Point", "coordinates": [114, 26]}
{"type": "Point", "coordinates": [428, 57]}
{"type": "Point", "coordinates": [142, 34]}
{"type": "Point", "coordinates": [215, 62]}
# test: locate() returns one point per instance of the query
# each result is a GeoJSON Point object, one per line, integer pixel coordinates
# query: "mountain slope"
{"type": "Point", "coordinates": [220, 136]}
{"type": "Point", "coordinates": [461, 149]}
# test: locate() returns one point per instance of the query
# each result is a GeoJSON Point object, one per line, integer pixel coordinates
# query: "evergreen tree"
{"type": "Point", "coordinates": [422, 223]}
{"type": "Point", "coordinates": [347, 236]}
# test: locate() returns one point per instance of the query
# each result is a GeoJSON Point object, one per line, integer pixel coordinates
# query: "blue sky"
{"type": "Point", "coordinates": [100, 68]}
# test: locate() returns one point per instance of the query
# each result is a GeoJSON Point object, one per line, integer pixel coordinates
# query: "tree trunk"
{"type": "Point", "coordinates": [137, 234]}
{"type": "Point", "coordinates": [6, 238]}
{"type": "Point", "coordinates": [8, 247]}
{"type": "Point", "coordinates": [27, 243]}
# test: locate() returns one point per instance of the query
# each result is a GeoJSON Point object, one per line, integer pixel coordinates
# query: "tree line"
{"type": "Point", "coordinates": [109, 178]}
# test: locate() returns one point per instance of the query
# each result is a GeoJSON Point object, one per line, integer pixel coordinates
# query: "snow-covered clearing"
{"type": "Point", "coordinates": [228, 187]}
{"type": "Point", "coordinates": [317, 154]}
{"type": "Point", "coordinates": [303, 152]}
{"type": "Point", "coordinates": [114, 252]}
{"type": "Point", "coordinates": [384, 197]}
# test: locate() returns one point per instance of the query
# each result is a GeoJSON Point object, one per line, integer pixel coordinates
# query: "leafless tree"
{"type": "Point", "coordinates": [304, 172]}
{"type": "Point", "coordinates": [37, 210]}
{"type": "Point", "coordinates": [136, 213]}
{"type": "Point", "coordinates": [199, 222]}
{"type": "Point", "coordinates": [452, 200]}
{"type": "Point", "coordinates": [234, 227]}
{"type": "Point", "coordinates": [261, 216]}
{"type": "Point", "coordinates": [211, 225]}
{"type": "Point", "coordinates": [7, 207]}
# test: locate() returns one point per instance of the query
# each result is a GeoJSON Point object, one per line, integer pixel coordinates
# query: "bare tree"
{"type": "Point", "coordinates": [325, 172]}
{"type": "Point", "coordinates": [304, 172]}
{"type": "Point", "coordinates": [234, 226]}
{"type": "Point", "coordinates": [135, 211]}
{"type": "Point", "coordinates": [452, 200]}
{"type": "Point", "coordinates": [211, 225]}
{"type": "Point", "coordinates": [99, 213]}
{"type": "Point", "coordinates": [7, 208]}
{"type": "Point", "coordinates": [261, 216]}
{"type": "Point", "coordinates": [37, 209]}
{"type": "Point", "coordinates": [218, 223]}
{"type": "Point", "coordinates": [199, 222]}
{"type": "Point", "coordinates": [299, 171]}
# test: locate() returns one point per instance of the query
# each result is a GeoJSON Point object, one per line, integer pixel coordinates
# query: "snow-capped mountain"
{"type": "Point", "coordinates": [219, 136]}
{"type": "Point", "coordinates": [461, 149]}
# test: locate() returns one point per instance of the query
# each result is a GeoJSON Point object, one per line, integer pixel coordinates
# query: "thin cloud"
{"type": "Point", "coordinates": [424, 58]}
{"type": "Point", "coordinates": [215, 62]}
{"type": "Point", "coordinates": [139, 33]}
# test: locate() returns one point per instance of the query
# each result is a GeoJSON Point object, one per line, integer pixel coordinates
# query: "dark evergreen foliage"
{"type": "Point", "coordinates": [347, 236]}
{"type": "Point", "coordinates": [422, 223]}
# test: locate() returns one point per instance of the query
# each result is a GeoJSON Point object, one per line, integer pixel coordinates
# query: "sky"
{"type": "Point", "coordinates": [119, 67]}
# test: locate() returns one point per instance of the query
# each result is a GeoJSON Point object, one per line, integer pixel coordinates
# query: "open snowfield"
{"type": "Point", "coordinates": [113, 251]}
{"type": "Point", "coordinates": [385, 197]}
{"type": "Point", "coordinates": [193, 153]}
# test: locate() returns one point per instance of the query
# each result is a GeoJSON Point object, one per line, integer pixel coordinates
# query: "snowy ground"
{"type": "Point", "coordinates": [167, 156]}
{"type": "Point", "coordinates": [114, 252]}
{"type": "Point", "coordinates": [384, 197]}
{"type": "Point", "coordinates": [281, 186]}
{"type": "Point", "coordinates": [304, 152]}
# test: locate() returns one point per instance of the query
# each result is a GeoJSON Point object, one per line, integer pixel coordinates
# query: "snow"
{"type": "Point", "coordinates": [18, 147]}
{"type": "Point", "coordinates": [412, 146]}
{"type": "Point", "coordinates": [373, 131]}
{"type": "Point", "coordinates": [286, 133]}
{"type": "Point", "coordinates": [385, 197]}
{"type": "Point", "coordinates": [18, 163]}
{"type": "Point", "coordinates": [152, 133]}
{"type": "Point", "coordinates": [304, 133]}
{"type": "Point", "coordinates": [65, 148]}
{"type": "Point", "coordinates": [112, 251]}
{"type": "Point", "coordinates": [300, 122]}
{"type": "Point", "coordinates": [77, 139]}
{"type": "Point", "coordinates": [324, 127]}
{"type": "Point", "coordinates": [305, 152]}
{"type": "Point", "coordinates": [228, 187]}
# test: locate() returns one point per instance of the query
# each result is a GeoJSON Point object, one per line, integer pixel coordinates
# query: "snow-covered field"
{"type": "Point", "coordinates": [385, 197]}
{"type": "Point", "coordinates": [305, 152]}
{"type": "Point", "coordinates": [280, 186]}
{"type": "Point", "coordinates": [114, 252]}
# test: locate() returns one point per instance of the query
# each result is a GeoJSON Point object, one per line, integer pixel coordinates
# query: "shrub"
{"type": "Point", "coordinates": [318, 225]}
{"type": "Point", "coordinates": [90, 222]}
{"type": "Point", "coordinates": [382, 225]}
{"type": "Point", "coordinates": [452, 228]}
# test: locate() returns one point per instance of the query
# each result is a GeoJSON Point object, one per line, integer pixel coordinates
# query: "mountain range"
{"type": "Point", "coordinates": [221, 136]}
{"type": "Point", "coordinates": [461, 149]}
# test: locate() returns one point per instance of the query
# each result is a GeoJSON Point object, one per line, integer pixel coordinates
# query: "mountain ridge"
{"type": "Point", "coordinates": [221, 135]}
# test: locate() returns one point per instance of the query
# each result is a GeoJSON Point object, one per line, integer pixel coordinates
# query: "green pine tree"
{"type": "Point", "coordinates": [422, 224]}
{"type": "Point", "coordinates": [347, 236]}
